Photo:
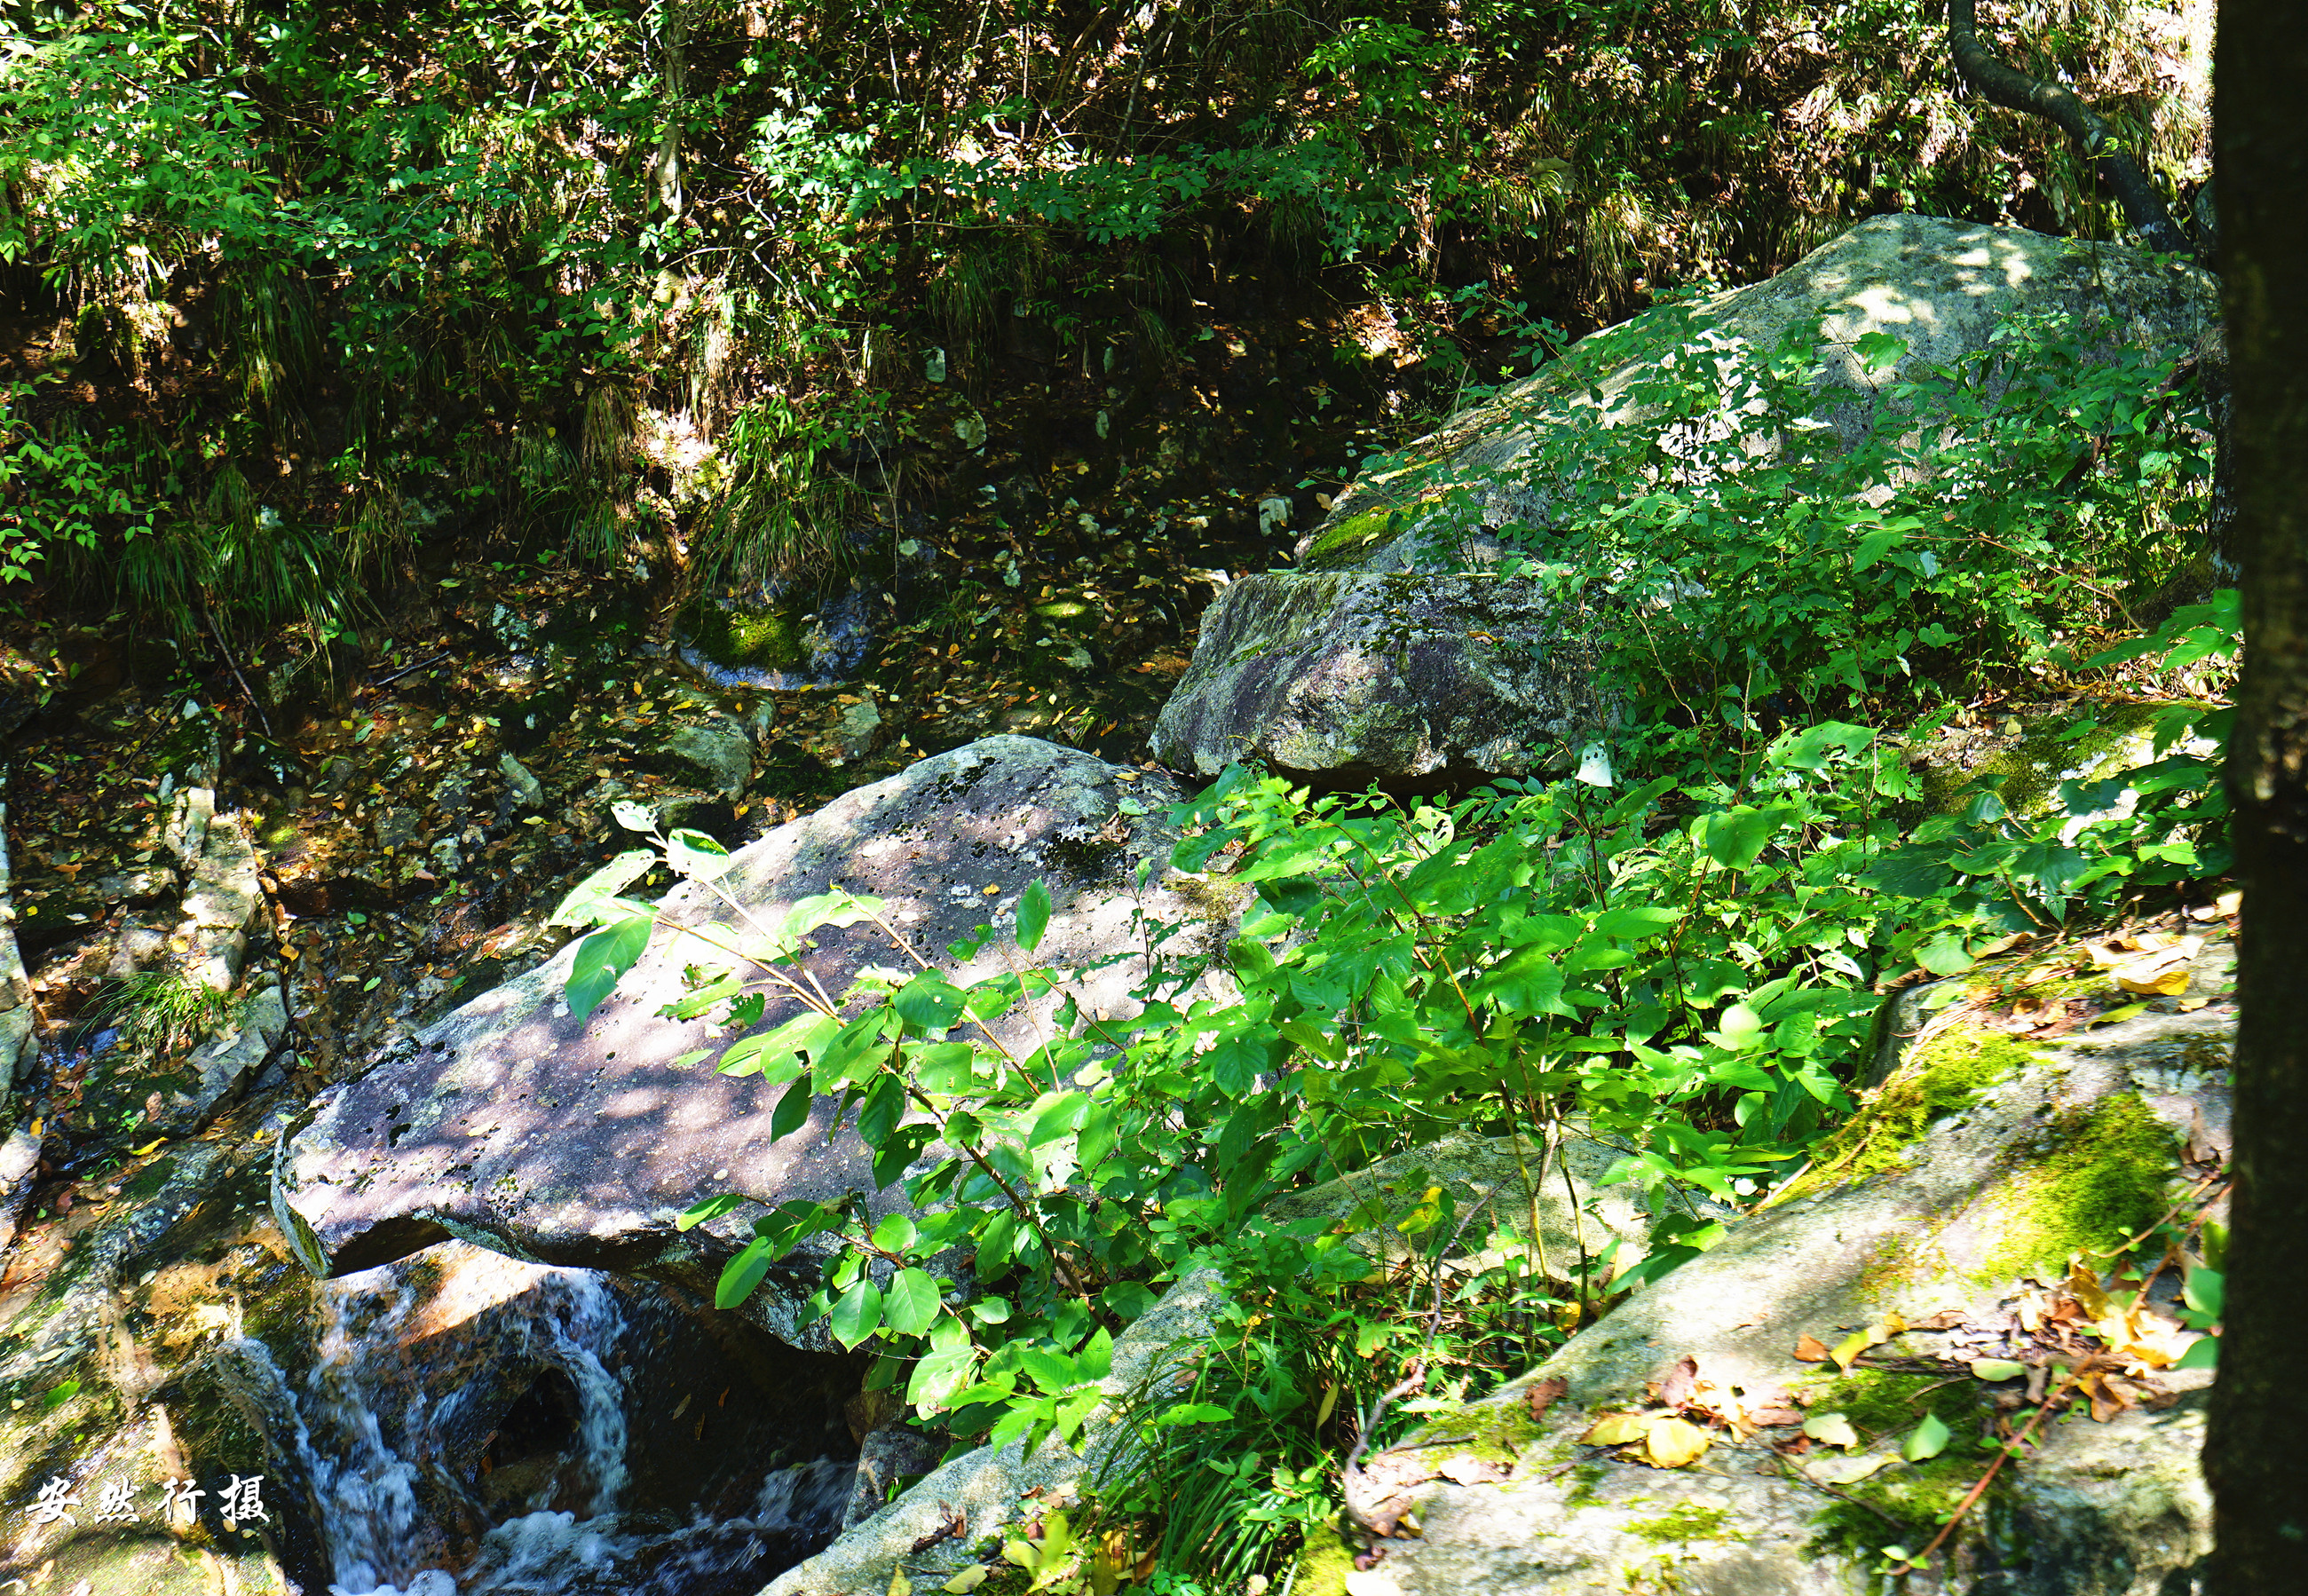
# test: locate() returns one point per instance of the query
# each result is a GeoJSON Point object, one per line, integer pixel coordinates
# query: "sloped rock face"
{"type": "Point", "coordinates": [1445, 675]}
{"type": "Point", "coordinates": [1949, 1231]}
{"type": "Point", "coordinates": [990, 1487]}
{"type": "Point", "coordinates": [2043, 1144]}
{"type": "Point", "coordinates": [514, 1124]}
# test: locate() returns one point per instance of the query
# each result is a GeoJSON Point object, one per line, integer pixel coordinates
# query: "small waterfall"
{"type": "Point", "coordinates": [419, 1378]}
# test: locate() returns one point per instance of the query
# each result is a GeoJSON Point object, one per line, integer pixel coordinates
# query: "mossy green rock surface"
{"type": "Point", "coordinates": [1390, 653]}
{"type": "Point", "coordinates": [1980, 1165]}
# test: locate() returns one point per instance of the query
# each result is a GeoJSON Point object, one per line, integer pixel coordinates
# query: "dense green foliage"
{"type": "Point", "coordinates": [1675, 952]}
{"type": "Point", "coordinates": [346, 281]}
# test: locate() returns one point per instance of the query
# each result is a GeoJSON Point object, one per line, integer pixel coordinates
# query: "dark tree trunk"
{"type": "Point", "coordinates": [2254, 1456]}
{"type": "Point", "coordinates": [1976, 65]}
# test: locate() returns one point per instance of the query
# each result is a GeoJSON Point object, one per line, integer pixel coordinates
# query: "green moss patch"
{"type": "Point", "coordinates": [1945, 1076]}
{"type": "Point", "coordinates": [2096, 1178]}
{"type": "Point", "coordinates": [731, 637]}
{"type": "Point", "coordinates": [1350, 539]}
{"type": "Point", "coordinates": [1905, 1503]}
{"type": "Point", "coordinates": [1322, 1567]}
{"type": "Point", "coordinates": [1686, 1523]}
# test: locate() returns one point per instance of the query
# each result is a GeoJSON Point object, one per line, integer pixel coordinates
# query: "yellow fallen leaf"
{"type": "Point", "coordinates": [2189, 1006]}
{"type": "Point", "coordinates": [1616, 1429]}
{"type": "Point", "coordinates": [967, 1580]}
{"type": "Point", "coordinates": [1672, 1443]}
{"type": "Point", "coordinates": [2148, 977]}
{"type": "Point", "coordinates": [1875, 1335]}
{"type": "Point", "coordinates": [1831, 1430]}
{"type": "Point", "coordinates": [146, 1150]}
{"type": "Point", "coordinates": [1850, 1471]}
{"type": "Point", "coordinates": [2083, 1285]}
{"type": "Point", "coordinates": [899, 1586]}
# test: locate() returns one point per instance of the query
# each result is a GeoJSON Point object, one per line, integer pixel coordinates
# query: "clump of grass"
{"type": "Point", "coordinates": [162, 1011]}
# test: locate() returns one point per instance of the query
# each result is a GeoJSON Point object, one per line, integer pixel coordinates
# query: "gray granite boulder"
{"type": "Point", "coordinates": [1448, 672]}
{"type": "Point", "coordinates": [719, 751]}
{"type": "Point", "coordinates": [510, 1124]}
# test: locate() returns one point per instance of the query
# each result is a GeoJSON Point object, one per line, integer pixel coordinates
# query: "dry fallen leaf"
{"type": "Point", "coordinates": [1616, 1429]}
{"type": "Point", "coordinates": [1809, 1348]}
{"type": "Point", "coordinates": [1850, 1469]}
{"type": "Point", "coordinates": [2152, 980]}
{"type": "Point", "coordinates": [1469, 1470]}
{"type": "Point", "coordinates": [1833, 1430]}
{"type": "Point", "coordinates": [1860, 1340]}
{"type": "Point", "coordinates": [1676, 1390]}
{"type": "Point", "coordinates": [1544, 1395]}
{"type": "Point", "coordinates": [1671, 1443]}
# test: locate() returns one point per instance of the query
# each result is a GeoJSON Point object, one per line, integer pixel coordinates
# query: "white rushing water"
{"type": "Point", "coordinates": [350, 1421]}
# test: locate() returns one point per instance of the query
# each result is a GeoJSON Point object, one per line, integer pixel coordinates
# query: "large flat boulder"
{"type": "Point", "coordinates": [513, 1125]}
{"type": "Point", "coordinates": [1393, 651]}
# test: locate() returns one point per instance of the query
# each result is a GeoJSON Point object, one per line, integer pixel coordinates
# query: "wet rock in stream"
{"type": "Point", "coordinates": [459, 1422]}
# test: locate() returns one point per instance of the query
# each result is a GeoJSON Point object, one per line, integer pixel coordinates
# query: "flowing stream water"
{"type": "Point", "coordinates": [379, 1437]}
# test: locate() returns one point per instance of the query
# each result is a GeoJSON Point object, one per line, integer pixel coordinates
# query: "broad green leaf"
{"type": "Point", "coordinates": [1033, 916]}
{"type": "Point", "coordinates": [928, 1003]}
{"type": "Point", "coordinates": [1233, 1065]}
{"type": "Point", "coordinates": [947, 1067]}
{"type": "Point", "coordinates": [1059, 1117]}
{"type": "Point", "coordinates": [1195, 1413]}
{"type": "Point", "coordinates": [939, 1375]}
{"type": "Point", "coordinates": [1995, 1371]}
{"type": "Point", "coordinates": [1322, 1045]}
{"type": "Point", "coordinates": [2206, 1291]}
{"type": "Point", "coordinates": [587, 900]}
{"type": "Point", "coordinates": [895, 1233]}
{"type": "Point", "coordinates": [1635, 921]}
{"type": "Point", "coordinates": [697, 1214]}
{"type": "Point", "coordinates": [1096, 1138]}
{"type": "Point", "coordinates": [1526, 981]}
{"type": "Point", "coordinates": [1926, 1441]}
{"type": "Point", "coordinates": [1945, 954]}
{"type": "Point", "coordinates": [993, 1244]}
{"type": "Point", "coordinates": [1740, 1029]}
{"type": "Point", "coordinates": [601, 959]}
{"type": "Point", "coordinates": [883, 1106]}
{"type": "Point", "coordinates": [828, 909]}
{"type": "Point", "coordinates": [857, 1314]}
{"type": "Point", "coordinates": [911, 1304]}
{"type": "Point", "coordinates": [703, 999]}
{"type": "Point", "coordinates": [2204, 1353]}
{"type": "Point", "coordinates": [792, 1111]}
{"type": "Point", "coordinates": [696, 855]}
{"type": "Point", "coordinates": [742, 1273]}
{"type": "Point", "coordinates": [1878, 352]}
{"type": "Point", "coordinates": [1736, 837]}
{"type": "Point", "coordinates": [1872, 547]}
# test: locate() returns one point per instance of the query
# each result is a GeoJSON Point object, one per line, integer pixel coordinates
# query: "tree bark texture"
{"type": "Point", "coordinates": [1978, 66]}
{"type": "Point", "coordinates": [2256, 1457]}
